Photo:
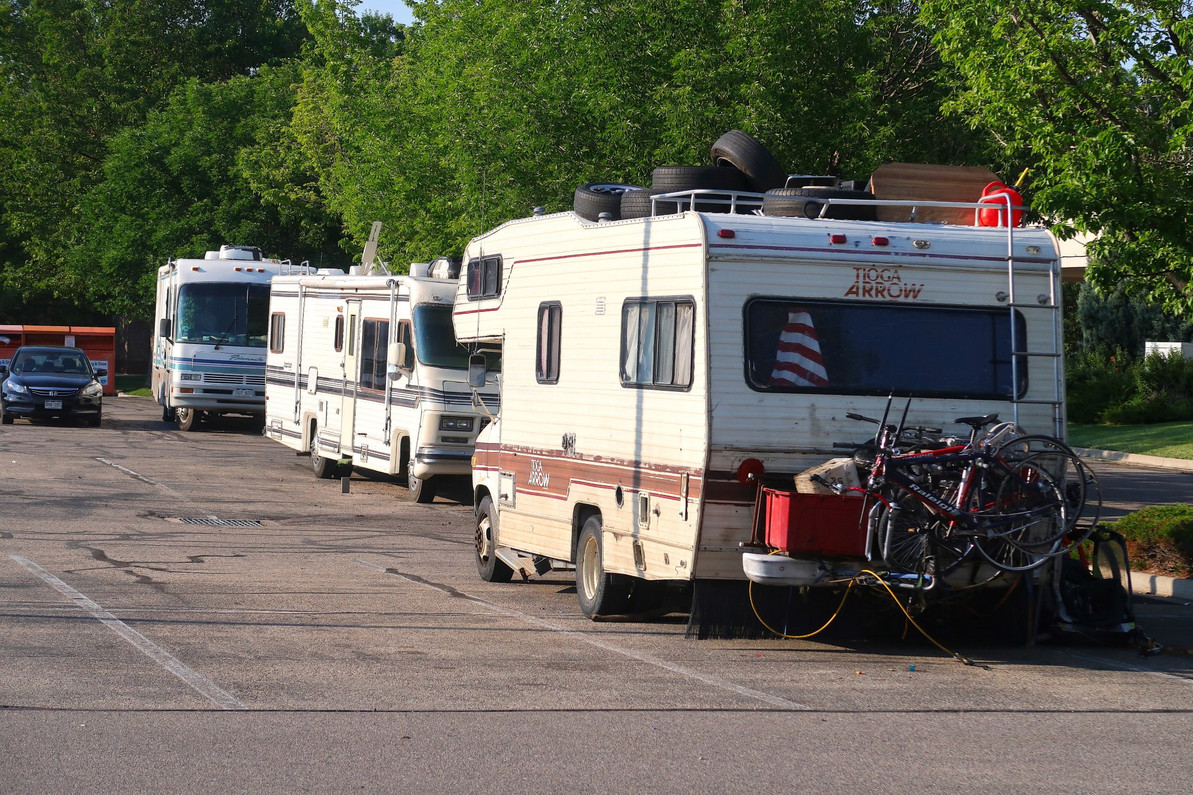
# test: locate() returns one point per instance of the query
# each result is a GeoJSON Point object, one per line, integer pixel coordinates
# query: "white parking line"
{"type": "Point", "coordinates": [598, 642]}
{"type": "Point", "coordinates": [200, 683]}
{"type": "Point", "coordinates": [143, 479]}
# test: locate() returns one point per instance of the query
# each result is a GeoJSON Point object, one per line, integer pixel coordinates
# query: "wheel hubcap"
{"type": "Point", "coordinates": [484, 539]}
{"type": "Point", "coordinates": [591, 567]}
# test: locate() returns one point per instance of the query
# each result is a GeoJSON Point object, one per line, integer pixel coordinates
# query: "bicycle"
{"type": "Point", "coordinates": [1004, 499]}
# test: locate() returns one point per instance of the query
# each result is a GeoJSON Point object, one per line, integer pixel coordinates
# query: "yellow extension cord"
{"type": "Point", "coordinates": [837, 612]}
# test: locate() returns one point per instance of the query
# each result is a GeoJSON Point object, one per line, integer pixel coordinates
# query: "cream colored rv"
{"type": "Point", "coordinates": [651, 366]}
{"type": "Point", "coordinates": [363, 371]}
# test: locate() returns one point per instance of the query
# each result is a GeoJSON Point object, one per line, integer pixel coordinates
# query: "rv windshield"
{"type": "Point", "coordinates": [223, 313]}
{"type": "Point", "coordinates": [798, 345]}
{"type": "Point", "coordinates": [435, 340]}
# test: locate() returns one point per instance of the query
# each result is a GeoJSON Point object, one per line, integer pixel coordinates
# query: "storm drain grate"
{"type": "Point", "coordinates": [211, 520]}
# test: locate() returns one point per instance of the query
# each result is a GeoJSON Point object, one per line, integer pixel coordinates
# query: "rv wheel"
{"type": "Point", "coordinates": [600, 594]}
{"type": "Point", "coordinates": [324, 467]}
{"type": "Point", "coordinates": [422, 490]}
{"type": "Point", "coordinates": [488, 565]}
{"type": "Point", "coordinates": [188, 419]}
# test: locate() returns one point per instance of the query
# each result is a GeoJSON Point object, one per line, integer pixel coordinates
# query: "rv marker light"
{"type": "Point", "coordinates": [726, 233]}
{"type": "Point", "coordinates": [837, 238]}
{"type": "Point", "coordinates": [880, 241]}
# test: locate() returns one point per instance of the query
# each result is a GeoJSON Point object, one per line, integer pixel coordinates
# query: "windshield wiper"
{"type": "Point", "coordinates": [224, 337]}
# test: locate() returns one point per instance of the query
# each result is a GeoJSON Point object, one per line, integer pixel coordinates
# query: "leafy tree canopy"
{"type": "Point", "coordinates": [1093, 96]}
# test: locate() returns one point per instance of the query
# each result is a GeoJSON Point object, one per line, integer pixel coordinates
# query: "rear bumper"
{"type": "Point", "coordinates": [430, 461]}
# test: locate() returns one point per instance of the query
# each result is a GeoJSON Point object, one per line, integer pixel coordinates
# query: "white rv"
{"type": "Point", "coordinates": [364, 371]}
{"type": "Point", "coordinates": [649, 372]}
{"type": "Point", "coordinates": [209, 328]}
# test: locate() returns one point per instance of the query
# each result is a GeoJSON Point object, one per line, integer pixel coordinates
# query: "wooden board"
{"type": "Point", "coordinates": [928, 182]}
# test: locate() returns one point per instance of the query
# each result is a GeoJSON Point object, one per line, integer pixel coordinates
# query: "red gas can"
{"type": "Point", "coordinates": [996, 195]}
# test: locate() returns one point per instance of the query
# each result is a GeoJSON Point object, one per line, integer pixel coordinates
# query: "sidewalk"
{"type": "Point", "coordinates": [1143, 583]}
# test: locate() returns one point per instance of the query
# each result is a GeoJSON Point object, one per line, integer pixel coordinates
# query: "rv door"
{"type": "Point", "coordinates": [351, 379]}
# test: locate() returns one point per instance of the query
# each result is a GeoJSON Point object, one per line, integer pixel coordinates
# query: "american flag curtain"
{"type": "Point", "coordinates": [797, 361]}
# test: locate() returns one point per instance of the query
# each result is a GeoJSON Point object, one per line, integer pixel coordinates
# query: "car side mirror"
{"type": "Point", "coordinates": [163, 327]}
{"type": "Point", "coordinates": [477, 368]}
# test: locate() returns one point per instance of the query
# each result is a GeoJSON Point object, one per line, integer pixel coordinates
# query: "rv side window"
{"type": "Point", "coordinates": [484, 277]}
{"type": "Point", "coordinates": [339, 334]}
{"type": "Point", "coordinates": [374, 338]}
{"type": "Point", "coordinates": [657, 342]}
{"type": "Point", "coordinates": [797, 345]}
{"type": "Point", "coordinates": [277, 332]}
{"type": "Point", "coordinates": [406, 337]}
{"type": "Point", "coordinates": [547, 360]}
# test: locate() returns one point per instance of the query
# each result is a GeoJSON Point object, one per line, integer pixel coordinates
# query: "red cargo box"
{"type": "Point", "coordinates": [819, 524]}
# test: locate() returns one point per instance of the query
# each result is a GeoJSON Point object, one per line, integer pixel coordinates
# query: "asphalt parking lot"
{"type": "Point", "coordinates": [187, 612]}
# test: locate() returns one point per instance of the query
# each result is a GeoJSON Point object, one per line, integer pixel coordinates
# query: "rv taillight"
{"type": "Point", "coordinates": [726, 233]}
{"type": "Point", "coordinates": [880, 241]}
{"type": "Point", "coordinates": [837, 238]}
{"type": "Point", "coordinates": [749, 471]}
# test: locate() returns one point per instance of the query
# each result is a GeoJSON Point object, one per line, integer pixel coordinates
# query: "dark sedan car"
{"type": "Point", "coordinates": [45, 381]}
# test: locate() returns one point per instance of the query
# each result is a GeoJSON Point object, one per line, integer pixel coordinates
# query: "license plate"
{"type": "Point", "coordinates": [53, 404]}
{"type": "Point", "coordinates": [242, 393]}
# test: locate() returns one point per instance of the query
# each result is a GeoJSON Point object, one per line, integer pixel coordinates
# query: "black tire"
{"type": "Point", "coordinates": [673, 178]}
{"type": "Point", "coordinates": [95, 421]}
{"type": "Point", "coordinates": [802, 203]}
{"type": "Point", "coordinates": [743, 152]}
{"type": "Point", "coordinates": [600, 593]}
{"type": "Point", "coordinates": [325, 468]}
{"type": "Point", "coordinates": [594, 198]}
{"type": "Point", "coordinates": [6, 418]}
{"type": "Point", "coordinates": [422, 490]}
{"type": "Point", "coordinates": [490, 567]}
{"type": "Point", "coordinates": [638, 204]}
{"type": "Point", "coordinates": [188, 419]}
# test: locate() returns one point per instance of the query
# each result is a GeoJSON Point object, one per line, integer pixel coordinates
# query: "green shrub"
{"type": "Point", "coordinates": [1159, 539]}
{"type": "Point", "coordinates": [1168, 374]}
{"type": "Point", "coordinates": [1098, 379]}
{"type": "Point", "coordinates": [1141, 410]}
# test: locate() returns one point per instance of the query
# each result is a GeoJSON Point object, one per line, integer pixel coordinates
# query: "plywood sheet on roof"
{"type": "Point", "coordinates": [928, 182]}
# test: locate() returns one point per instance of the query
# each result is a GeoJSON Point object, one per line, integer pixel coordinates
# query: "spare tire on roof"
{"type": "Point", "coordinates": [802, 203]}
{"type": "Point", "coordinates": [672, 178]}
{"type": "Point", "coordinates": [638, 204]}
{"type": "Point", "coordinates": [594, 198]}
{"type": "Point", "coordinates": [743, 152]}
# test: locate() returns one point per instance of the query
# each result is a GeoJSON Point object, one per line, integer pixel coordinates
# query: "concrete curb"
{"type": "Point", "coordinates": [1158, 585]}
{"type": "Point", "coordinates": [1183, 464]}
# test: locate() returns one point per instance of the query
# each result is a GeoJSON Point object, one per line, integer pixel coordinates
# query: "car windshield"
{"type": "Point", "coordinates": [435, 340]}
{"type": "Point", "coordinates": [51, 362]}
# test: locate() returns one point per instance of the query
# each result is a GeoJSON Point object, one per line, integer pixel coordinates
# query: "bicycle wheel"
{"type": "Point", "coordinates": [1081, 494]}
{"type": "Point", "coordinates": [1023, 523]}
{"type": "Point", "coordinates": [914, 540]}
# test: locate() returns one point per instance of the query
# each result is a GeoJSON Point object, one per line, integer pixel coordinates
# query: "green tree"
{"type": "Point", "coordinates": [1094, 96]}
{"type": "Point", "coordinates": [76, 73]}
{"type": "Point", "coordinates": [179, 185]}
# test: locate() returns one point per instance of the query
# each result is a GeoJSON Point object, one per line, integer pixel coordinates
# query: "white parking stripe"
{"type": "Point", "coordinates": [200, 683]}
{"type": "Point", "coordinates": [594, 640]}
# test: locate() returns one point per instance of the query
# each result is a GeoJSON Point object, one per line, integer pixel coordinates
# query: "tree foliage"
{"type": "Point", "coordinates": [1094, 96]}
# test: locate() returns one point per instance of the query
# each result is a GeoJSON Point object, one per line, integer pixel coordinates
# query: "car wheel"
{"type": "Point", "coordinates": [94, 422]}
{"type": "Point", "coordinates": [188, 419]}
{"type": "Point", "coordinates": [6, 418]}
{"type": "Point", "coordinates": [600, 593]}
{"type": "Point", "coordinates": [422, 490]}
{"type": "Point", "coordinates": [490, 567]}
{"type": "Point", "coordinates": [325, 468]}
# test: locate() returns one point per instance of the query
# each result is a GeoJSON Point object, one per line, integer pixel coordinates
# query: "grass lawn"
{"type": "Point", "coordinates": [1166, 439]}
{"type": "Point", "coordinates": [133, 385]}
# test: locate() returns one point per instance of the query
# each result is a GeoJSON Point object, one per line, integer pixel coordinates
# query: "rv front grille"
{"type": "Point", "coordinates": [255, 380]}
{"type": "Point", "coordinates": [223, 378]}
